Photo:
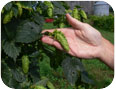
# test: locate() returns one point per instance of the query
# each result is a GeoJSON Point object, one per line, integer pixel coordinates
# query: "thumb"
{"type": "Point", "coordinates": [74, 22]}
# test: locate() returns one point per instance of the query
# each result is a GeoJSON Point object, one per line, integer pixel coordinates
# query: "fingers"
{"type": "Point", "coordinates": [47, 39]}
{"type": "Point", "coordinates": [50, 41]}
{"type": "Point", "coordinates": [64, 30]}
{"type": "Point", "coordinates": [50, 30]}
{"type": "Point", "coordinates": [74, 22]}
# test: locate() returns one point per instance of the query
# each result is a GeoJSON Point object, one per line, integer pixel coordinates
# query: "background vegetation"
{"type": "Point", "coordinates": [45, 66]}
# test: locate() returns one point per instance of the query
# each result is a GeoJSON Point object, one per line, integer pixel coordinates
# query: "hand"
{"type": "Point", "coordinates": [82, 38]}
{"type": "Point", "coordinates": [84, 42]}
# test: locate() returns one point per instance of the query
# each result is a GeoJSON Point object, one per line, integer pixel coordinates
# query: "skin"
{"type": "Point", "coordinates": [84, 42]}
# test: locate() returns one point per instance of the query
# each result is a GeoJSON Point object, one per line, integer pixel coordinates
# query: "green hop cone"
{"type": "Point", "coordinates": [25, 64]}
{"type": "Point", "coordinates": [83, 14]}
{"type": "Point", "coordinates": [59, 36]}
{"type": "Point", "coordinates": [75, 13]}
{"type": "Point", "coordinates": [48, 4]}
{"type": "Point", "coordinates": [39, 10]}
{"type": "Point", "coordinates": [50, 12]}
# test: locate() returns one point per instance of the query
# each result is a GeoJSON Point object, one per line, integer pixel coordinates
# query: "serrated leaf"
{"type": "Point", "coordinates": [58, 8]}
{"type": "Point", "coordinates": [38, 19]}
{"type": "Point", "coordinates": [28, 32]}
{"type": "Point", "coordinates": [58, 5]}
{"type": "Point", "coordinates": [6, 73]}
{"type": "Point", "coordinates": [14, 84]}
{"type": "Point", "coordinates": [45, 68]}
{"type": "Point", "coordinates": [11, 49]}
{"type": "Point", "coordinates": [49, 48]}
{"type": "Point", "coordinates": [10, 28]}
{"type": "Point", "coordinates": [85, 79]}
{"type": "Point", "coordinates": [59, 11]}
{"type": "Point", "coordinates": [34, 54]}
{"type": "Point", "coordinates": [18, 75]}
{"type": "Point", "coordinates": [8, 6]}
{"type": "Point", "coordinates": [72, 67]}
{"type": "Point", "coordinates": [34, 69]}
{"type": "Point", "coordinates": [43, 82]}
{"type": "Point", "coordinates": [26, 4]}
{"type": "Point", "coordinates": [15, 11]}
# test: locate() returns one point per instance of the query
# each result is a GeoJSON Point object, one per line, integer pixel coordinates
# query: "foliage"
{"type": "Point", "coordinates": [26, 61]}
{"type": "Point", "coordinates": [103, 22]}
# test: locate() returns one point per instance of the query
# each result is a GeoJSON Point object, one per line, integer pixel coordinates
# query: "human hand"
{"type": "Point", "coordinates": [84, 41]}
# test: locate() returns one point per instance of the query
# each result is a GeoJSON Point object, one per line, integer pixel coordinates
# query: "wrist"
{"type": "Point", "coordinates": [106, 53]}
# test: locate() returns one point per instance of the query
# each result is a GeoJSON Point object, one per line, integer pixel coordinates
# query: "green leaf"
{"type": "Point", "coordinates": [77, 6]}
{"type": "Point", "coordinates": [43, 82]}
{"type": "Point", "coordinates": [35, 54]}
{"type": "Point", "coordinates": [58, 5]}
{"type": "Point", "coordinates": [14, 84]}
{"type": "Point", "coordinates": [85, 78]}
{"type": "Point", "coordinates": [6, 73]}
{"type": "Point", "coordinates": [74, 69]}
{"type": "Point", "coordinates": [58, 8]}
{"type": "Point", "coordinates": [38, 19]}
{"type": "Point", "coordinates": [18, 75]}
{"type": "Point", "coordinates": [11, 49]}
{"type": "Point", "coordinates": [50, 85]}
{"type": "Point", "coordinates": [15, 11]}
{"type": "Point", "coordinates": [59, 11]}
{"type": "Point", "coordinates": [10, 29]}
{"type": "Point", "coordinates": [49, 48]}
{"type": "Point", "coordinates": [8, 6]}
{"type": "Point", "coordinates": [34, 68]}
{"type": "Point", "coordinates": [26, 4]}
{"type": "Point", "coordinates": [45, 68]}
{"type": "Point", "coordinates": [65, 5]}
{"type": "Point", "coordinates": [28, 32]}
{"type": "Point", "coordinates": [71, 67]}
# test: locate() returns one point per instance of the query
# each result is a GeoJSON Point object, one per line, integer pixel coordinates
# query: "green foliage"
{"type": "Point", "coordinates": [11, 49]}
{"type": "Point", "coordinates": [103, 22]}
{"type": "Point", "coordinates": [73, 70]}
{"type": "Point", "coordinates": [25, 59]}
{"type": "Point", "coordinates": [45, 68]}
{"type": "Point", "coordinates": [8, 17]}
{"type": "Point", "coordinates": [27, 32]}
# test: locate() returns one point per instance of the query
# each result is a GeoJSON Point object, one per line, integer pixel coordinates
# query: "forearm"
{"type": "Point", "coordinates": [107, 53]}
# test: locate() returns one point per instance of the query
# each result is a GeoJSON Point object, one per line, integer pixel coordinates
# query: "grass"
{"type": "Point", "coordinates": [101, 74]}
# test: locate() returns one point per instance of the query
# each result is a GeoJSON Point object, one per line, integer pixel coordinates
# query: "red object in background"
{"type": "Point", "coordinates": [49, 20]}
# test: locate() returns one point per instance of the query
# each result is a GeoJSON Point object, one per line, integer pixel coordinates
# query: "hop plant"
{"type": "Point", "coordinates": [83, 14]}
{"type": "Point", "coordinates": [75, 13]}
{"type": "Point", "coordinates": [8, 17]}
